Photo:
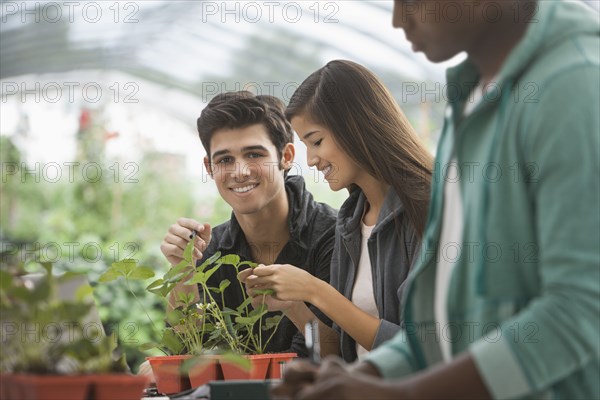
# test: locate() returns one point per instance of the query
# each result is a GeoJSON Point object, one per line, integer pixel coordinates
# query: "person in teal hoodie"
{"type": "Point", "coordinates": [504, 301]}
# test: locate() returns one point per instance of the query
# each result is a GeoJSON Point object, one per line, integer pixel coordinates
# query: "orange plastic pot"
{"type": "Point", "coordinates": [4, 383]}
{"type": "Point", "coordinates": [206, 370]}
{"type": "Point", "coordinates": [118, 386]}
{"type": "Point", "coordinates": [259, 364]}
{"type": "Point", "coordinates": [168, 375]}
{"type": "Point", "coordinates": [48, 387]}
{"type": "Point", "coordinates": [277, 365]}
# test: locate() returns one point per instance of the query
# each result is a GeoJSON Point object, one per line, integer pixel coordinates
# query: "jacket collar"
{"type": "Point", "coordinates": [351, 212]}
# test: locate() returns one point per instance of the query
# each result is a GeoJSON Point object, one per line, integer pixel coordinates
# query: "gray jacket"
{"type": "Point", "coordinates": [392, 248]}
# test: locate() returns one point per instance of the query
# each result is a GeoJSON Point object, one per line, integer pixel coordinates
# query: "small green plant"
{"type": "Point", "coordinates": [44, 334]}
{"type": "Point", "coordinates": [202, 327]}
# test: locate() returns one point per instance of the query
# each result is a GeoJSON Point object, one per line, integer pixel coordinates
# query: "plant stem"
{"type": "Point", "coordinates": [262, 305]}
{"type": "Point", "coordinates": [237, 270]}
{"type": "Point", "coordinates": [272, 334]}
{"type": "Point", "coordinates": [141, 305]}
{"type": "Point", "coordinates": [204, 315]}
{"type": "Point", "coordinates": [219, 316]}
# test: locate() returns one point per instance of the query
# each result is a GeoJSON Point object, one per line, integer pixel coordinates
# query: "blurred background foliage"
{"type": "Point", "coordinates": [131, 162]}
{"type": "Point", "coordinates": [85, 225]}
{"type": "Point", "coordinates": [99, 213]}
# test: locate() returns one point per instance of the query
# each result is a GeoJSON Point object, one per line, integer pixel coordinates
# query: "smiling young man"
{"type": "Point", "coordinates": [249, 147]}
{"type": "Point", "coordinates": [515, 314]}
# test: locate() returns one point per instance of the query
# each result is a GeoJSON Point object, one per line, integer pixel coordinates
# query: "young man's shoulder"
{"type": "Point", "coordinates": [566, 41]}
{"type": "Point", "coordinates": [560, 81]}
{"type": "Point", "coordinates": [304, 206]}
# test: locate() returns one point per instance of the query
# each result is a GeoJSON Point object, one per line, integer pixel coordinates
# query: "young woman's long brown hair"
{"type": "Point", "coordinates": [370, 127]}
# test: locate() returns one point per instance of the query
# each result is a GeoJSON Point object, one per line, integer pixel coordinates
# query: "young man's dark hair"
{"type": "Point", "coordinates": [241, 109]}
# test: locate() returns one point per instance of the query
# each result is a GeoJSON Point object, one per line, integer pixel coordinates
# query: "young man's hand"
{"type": "Point", "coordinates": [332, 380]}
{"type": "Point", "coordinates": [178, 236]}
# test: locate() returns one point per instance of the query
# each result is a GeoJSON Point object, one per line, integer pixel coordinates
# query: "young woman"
{"type": "Point", "coordinates": [356, 134]}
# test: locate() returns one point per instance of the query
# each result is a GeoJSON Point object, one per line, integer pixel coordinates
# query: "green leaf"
{"type": "Point", "coordinates": [199, 277]}
{"type": "Point", "coordinates": [229, 311]}
{"type": "Point", "coordinates": [172, 342]}
{"type": "Point", "coordinates": [187, 252]}
{"type": "Point", "coordinates": [229, 324]}
{"type": "Point", "coordinates": [124, 267]}
{"type": "Point", "coordinates": [83, 292]}
{"type": "Point", "coordinates": [215, 333]}
{"type": "Point", "coordinates": [166, 289]}
{"type": "Point", "coordinates": [190, 299]}
{"type": "Point", "coordinates": [244, 320]}
{"type": "Point", "coordinates": [209, 261]}
{"type": "Point", "coordinates": [157, 283]}
{"type": "Point", "coordinates": [211, 271]}
{"type": "Point", "coordinates": [273, 321]}
{"type": "Point", "coordinates": [141, 273]}
{"type": "Point", "coordinates": [176, 273]}
{"type": "Point", "coordinates": [160, 288]}
{"type": "Point", "coordinates": [182, 297]}
{"type": "Point", "coordinates": [257, 313]}
{"type": "Point", "coordinates": [110, 275]}
{"type": "Point", "coordinates": [148, 346]}
{"type": "Point", "coordinates": [266, 292]}
{"type": "Point", "coordinates": [173, 317]}
{"type": "Point", "coordinates": [248, 263]}
{"type": "Point", "coordinates": [224, 285]}
{"type": "Point", "coordinates": [244, 304]}
{"type": "Point", "coordinates": [232, 259]}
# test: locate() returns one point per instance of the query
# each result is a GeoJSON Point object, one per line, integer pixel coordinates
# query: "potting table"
{"type": "Point", "coordinates": [225, 390]}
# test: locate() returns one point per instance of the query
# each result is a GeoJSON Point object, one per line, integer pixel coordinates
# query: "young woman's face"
{"type": "Point", "coordinates": [323, 152]}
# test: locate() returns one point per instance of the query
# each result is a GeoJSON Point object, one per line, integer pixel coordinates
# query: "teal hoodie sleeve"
{"type": "Point", "coordinates": [394, 359]}
{"type": "Point", "coordinates": [561, 136]}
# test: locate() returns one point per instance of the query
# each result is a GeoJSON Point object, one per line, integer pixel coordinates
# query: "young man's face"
{"type": "Point", "coordinates": [441, 29]}
{"type": "Point", "coordinates": [246, 168]}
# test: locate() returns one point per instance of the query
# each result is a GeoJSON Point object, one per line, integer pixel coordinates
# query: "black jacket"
{"type": "Point", "coordinates": [312, 230]}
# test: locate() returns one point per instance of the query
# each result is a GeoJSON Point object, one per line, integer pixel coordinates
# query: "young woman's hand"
{"type": "Point", "coordinates": [289, 283]}
{"type": "Point", "coordinates": [272, 303]}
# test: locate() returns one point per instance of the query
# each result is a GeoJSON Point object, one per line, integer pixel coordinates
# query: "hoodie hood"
{"type": "Point", "coordinates": [543, 34]}
{"type": "Point", "coordinates": [546, 33]}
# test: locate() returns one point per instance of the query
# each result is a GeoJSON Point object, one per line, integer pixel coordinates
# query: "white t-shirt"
{"type": "Point", "coordinates": [362, 293]}
{"type": "Point", "coordinates": [450, 240]}
{"type": "Point", "coordinates": [448, 253]}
